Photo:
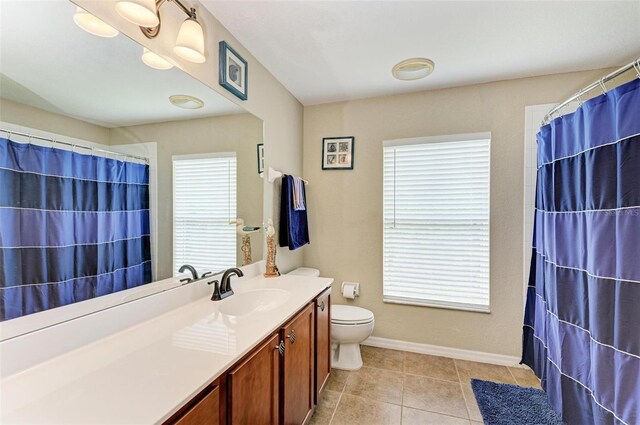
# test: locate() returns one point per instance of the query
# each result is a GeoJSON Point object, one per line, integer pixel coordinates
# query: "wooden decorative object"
{"type": "Point", "coordinates": [272, 269]}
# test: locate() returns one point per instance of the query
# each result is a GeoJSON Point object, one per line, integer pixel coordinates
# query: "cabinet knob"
{"type": "Point", "coordinates": [321, 306]}
{"type": "Point", "coordinates": [292, 336]}
{"type": "Point", "coordinates": [280, 347]}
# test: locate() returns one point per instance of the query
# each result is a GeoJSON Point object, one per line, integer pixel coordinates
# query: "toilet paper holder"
{"type": "Point", "coordinates": [350, 290]}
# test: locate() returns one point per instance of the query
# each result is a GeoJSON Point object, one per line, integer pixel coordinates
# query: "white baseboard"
{"type": "Point", "coordinates": [436, 350]}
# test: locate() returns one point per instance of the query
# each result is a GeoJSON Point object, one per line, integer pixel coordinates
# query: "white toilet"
{"type": "Point", "coordinates": [350, 325]}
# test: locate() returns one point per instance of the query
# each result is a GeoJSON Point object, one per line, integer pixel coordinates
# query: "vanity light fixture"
{"type": "Point", "coordinates": [154, 60]}
{"type": "Point", "coordinates": [92, 24]}
{"type": "Point", "coordinates": [146, 14]}
{"type": "Point", "coordinates": [185, 101]}
{"type": "Point", "coordinates": [413, 69]}
{"type": "Point", "coordinates": [190, 42]}
{"type": "Point", "coordinates": [140, 12]}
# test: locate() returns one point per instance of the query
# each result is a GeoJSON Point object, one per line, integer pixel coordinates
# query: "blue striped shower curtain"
{"type": "Point", "coordinates": [582, 318]}
{"type": "Point", "coordinates": [72, 227]}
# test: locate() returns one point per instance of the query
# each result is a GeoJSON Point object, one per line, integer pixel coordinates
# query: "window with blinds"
{"type": "Point", "coordinates": [436, 221]}
{"type": "Point", "coordinates": [204, 201]}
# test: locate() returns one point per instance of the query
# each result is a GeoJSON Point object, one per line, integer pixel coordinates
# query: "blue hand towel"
{"type": "Point", "coordinates": [294, 229]}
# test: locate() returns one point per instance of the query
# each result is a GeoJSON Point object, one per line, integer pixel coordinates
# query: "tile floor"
{"type": "Point", "coordinates": [396, 387]}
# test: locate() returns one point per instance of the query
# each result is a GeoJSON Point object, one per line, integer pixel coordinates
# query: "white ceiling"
{"type": "Point", "coordinates": [332, 51]}
{"type": "Point", "coordinates": [46, 61]}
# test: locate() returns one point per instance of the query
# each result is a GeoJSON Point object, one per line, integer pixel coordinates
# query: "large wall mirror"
{"type": "Point", "coordinates": [107, 187]}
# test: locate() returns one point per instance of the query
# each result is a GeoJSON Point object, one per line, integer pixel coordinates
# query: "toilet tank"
{"type": "Point", "coordinates": [305, 271]}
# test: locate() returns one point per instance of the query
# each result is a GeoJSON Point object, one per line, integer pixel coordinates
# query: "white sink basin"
{"type": "Point", "coordinates": [258, 300]}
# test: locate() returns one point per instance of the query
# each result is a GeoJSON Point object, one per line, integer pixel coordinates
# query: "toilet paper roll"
{"type": "Point", "coordinates": [349, 290]}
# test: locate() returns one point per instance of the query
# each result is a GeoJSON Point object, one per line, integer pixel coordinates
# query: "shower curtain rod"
{"type": "Point", "coordinates": [73, 145]}
{"type": "Point", "coordinates": [600, 83]}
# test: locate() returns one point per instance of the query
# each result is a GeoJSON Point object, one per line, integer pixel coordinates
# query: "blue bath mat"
{"type": "Point", "coordinates": [506, 404]}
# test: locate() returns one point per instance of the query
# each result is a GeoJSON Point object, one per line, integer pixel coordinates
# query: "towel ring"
{"type": "Point", "coordinates": [636, 66]}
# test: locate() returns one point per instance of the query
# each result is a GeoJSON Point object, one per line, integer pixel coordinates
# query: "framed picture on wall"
{"type": "Point", "coordinates": [260, 158]}
{"type": "Point", "coordinates": [233, 71]}
{"type": "Point", "coordinates": [337, 153]}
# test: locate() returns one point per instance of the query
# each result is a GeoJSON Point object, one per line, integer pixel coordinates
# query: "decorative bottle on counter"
{"type": "Point", "coordinates": [272, 269]}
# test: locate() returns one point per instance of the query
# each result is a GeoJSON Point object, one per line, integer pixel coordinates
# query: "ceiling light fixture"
{"type": "Point", "coordinates": [154, 60]}
{"type": "Point", "coordinates": [413, 69]}
{"type": "Point", "coordinates": [93, 25]}
{"type": "Point", "coordinates": [186, 102]}
{"type": "Point", "coordinates": [140, 12]}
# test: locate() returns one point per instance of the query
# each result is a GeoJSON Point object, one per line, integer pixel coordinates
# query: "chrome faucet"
{"type": "Point", "coordinates": [193, 271]}
{"type": "Point", "coordinates": [223, 289]}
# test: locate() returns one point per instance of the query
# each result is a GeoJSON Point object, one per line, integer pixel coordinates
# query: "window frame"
{"type": "Point", "coordinates": [484, 136]}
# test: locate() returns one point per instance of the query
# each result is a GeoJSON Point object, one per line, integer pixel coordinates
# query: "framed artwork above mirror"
{"type": "Point", "coordinates": [233, 71]}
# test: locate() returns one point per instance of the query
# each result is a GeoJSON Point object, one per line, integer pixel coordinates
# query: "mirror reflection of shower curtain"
{"type": "Point", "coordinates": [581, 331]}
{"type": "Point", "coordinates": [72, 227]}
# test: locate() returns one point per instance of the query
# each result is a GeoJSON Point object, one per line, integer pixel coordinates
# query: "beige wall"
{"type": "Point", "coordinates": [232, 133]}
{"type": "Point", "coordinates": [27, 116]}
{"type": "Point", "coordinates": [345, 207]}
{"type": "Point", "coordinates": [268, 99]}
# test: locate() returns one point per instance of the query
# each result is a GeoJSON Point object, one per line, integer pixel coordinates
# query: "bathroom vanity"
{"type": "Point", "coordinates": [278, 382]}
{"type": "Point", "coordinates": [262, 364]}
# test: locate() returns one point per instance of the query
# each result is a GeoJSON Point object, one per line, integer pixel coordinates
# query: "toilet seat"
{"type": "Point", "coordinates": [350, 315]}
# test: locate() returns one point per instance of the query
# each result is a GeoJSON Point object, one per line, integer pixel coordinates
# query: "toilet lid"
{"type": "Point", "coordinates": [350, 314]}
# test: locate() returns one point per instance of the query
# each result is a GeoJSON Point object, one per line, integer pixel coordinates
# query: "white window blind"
{"type": "Point", "coordinates": [436, 221]}
{"type": "Point", "coordinates": [204, 200]}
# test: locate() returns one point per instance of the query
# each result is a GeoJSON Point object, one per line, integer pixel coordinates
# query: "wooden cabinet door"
{"type": "Point", "coordinates": [253, 387]}
{"type": "Point", "coordinates": [298, 368]}
{"type": "Point", "coordinates": [323, 341]}
{"type": "Point", "coordinates": [205, 412]}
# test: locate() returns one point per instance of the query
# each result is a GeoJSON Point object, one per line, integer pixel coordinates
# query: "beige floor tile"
{"type": "Point", "coordinates": [420, 417]}
{"type": "Point", "coordinates": [326, 407]}
{"type": "Point", "coordinates": [337, 379]}
{"type": "Point", "coordinates": [477, 423]}
{"type": "Point", "coordinates": [525, 377]}
{"type": "Point", "coordinates": [354, 410]}
{"type": "Point", "coordinates": [431, 366]}
{"type": "Point", "coordinates": [434, 395]}
{"type": "Point", "coordinates": [382, 358]}
{"type": "Point", "coordinates": [376, 384]}
{"type": "Point", "coordinates": [472, 405]}
{"type": "Point", "coordinates": [484, 371]}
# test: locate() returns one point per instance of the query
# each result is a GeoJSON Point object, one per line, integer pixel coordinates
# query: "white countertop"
{"type": "Point", "coordinates": [145, 373]}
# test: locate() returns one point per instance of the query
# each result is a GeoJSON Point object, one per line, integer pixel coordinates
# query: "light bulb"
{"type": "Point", "coordinates": [140, 12]}
{"type": "Point", "coordinates": [190, 42]}
{"type": "Point", "coordinates": [92, 24]}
